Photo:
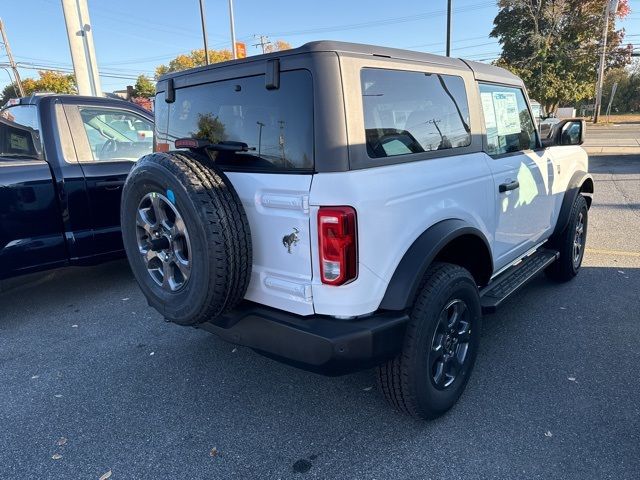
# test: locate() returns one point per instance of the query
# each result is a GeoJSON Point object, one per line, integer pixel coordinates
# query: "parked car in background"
{"type": "Point", "coordinates": [544, 123]}
{"type": "Point", "coordinates": [63, 162]}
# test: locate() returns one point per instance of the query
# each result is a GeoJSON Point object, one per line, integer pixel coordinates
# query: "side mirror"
{"type": "Point", "coordinates": [567, 132]}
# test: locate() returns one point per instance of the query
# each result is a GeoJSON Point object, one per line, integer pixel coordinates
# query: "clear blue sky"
{"type": "Point", "coordinates": [133, 36]}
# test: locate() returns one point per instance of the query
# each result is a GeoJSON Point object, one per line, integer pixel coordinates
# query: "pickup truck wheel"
{"type": "Point", "coordinates": [571, 243]}
{"type": "Point", "coordinates": [186, 236]}
{"type": "Point", "coordinates": [429, 375]}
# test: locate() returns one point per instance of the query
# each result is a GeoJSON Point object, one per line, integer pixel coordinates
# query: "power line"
{"type": "Point", "coordinates": [69, 70]}
{"type": "Point", "coordinates": [264, 41]}
{"type": "Point", "coordinates": [440, 43]}
{"type": "Point", "coordinates": [388, 21]}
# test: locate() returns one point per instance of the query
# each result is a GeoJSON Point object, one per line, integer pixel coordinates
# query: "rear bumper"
{"type": "Point", "coordinates": [316, 343]}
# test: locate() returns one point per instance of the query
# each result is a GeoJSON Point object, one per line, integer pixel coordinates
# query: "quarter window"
{"type": "Point", "coordinates": [413, 112]}
{"type": "Point", "coordinates": [507, 119]}
{"type": "Point", "coordinates": [116, 134]}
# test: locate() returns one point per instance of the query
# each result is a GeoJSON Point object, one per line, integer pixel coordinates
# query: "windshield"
{"type": "Point", "coordinates": [277, 125]}
{"type": "Point", "coordinates": [20, 132]}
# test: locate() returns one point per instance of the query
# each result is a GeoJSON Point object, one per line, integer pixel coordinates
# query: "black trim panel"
{"type": "Point", "coordinates": [316, 343]}
{"type": "Point", "coordinates": [573, 190]}
{"type": "Point", "coordinates": [406, 279]}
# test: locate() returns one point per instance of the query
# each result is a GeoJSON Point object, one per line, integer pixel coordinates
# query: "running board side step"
{"type": "Point", "coordinates": [507, 283]}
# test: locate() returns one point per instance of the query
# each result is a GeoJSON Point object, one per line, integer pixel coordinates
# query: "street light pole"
{"type": "Point", "coordinates": [204, 32]}
{"type": "Point", "coordinates": [233, 30]}
{"type": "Point", "coordinates": [448, 28]}
{"type": "Point", "coordinates": [612, 6]}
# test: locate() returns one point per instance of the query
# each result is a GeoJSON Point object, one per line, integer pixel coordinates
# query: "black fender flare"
{"type": "Point", "coordinates": [409, 273]}
{"type": "Point", "coordinates": [574, 189]}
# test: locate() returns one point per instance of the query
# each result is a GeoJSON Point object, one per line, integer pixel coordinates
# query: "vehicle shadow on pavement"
{"type": "Point", "coordinates": [85, 358]}
{"type": "Point", "coordinates": [620, 163]}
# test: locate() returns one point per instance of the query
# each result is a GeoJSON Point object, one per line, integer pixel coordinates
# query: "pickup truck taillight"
{"type": "Point", "coordinates": [338, 245]}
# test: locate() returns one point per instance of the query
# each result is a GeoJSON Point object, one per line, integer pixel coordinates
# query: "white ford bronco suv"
{"type": "Point", "coordinates": [340, 207]}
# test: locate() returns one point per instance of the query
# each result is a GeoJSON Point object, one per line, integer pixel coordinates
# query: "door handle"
{"type": "Point", "coordinates": [505, 187]}
{"type": "Point", "coordinates": [110, 184]}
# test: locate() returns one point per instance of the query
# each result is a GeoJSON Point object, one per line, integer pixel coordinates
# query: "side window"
{"type": "Point", "coordinates": [507, 119]}
{"type": "Point", "coordinates": [116, 134]}
{"type": "Point", "coordinates": [20, 132]}
{"type": "Point", "coordinates": [413, 112]}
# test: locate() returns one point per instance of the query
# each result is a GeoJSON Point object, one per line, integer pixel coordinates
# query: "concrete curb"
{"type": "Point", "coordinates": [610, 150]}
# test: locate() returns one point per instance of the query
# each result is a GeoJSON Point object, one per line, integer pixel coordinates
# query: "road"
{"type": "Point", "coordinates": [554, 395]}
{"type": "Point", "coordinates": [617, 138]}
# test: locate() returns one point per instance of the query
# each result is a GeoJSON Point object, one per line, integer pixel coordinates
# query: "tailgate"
{"type": "Point", "coordinates": [277, 206]}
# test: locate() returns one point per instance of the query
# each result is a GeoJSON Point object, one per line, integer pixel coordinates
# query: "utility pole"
{"type": "Point", "coordinates": [83, 55]}
{"type": "Point", "coordinates": [612, 6]}
{"type": "Point", "coordinates": [12, 63]}
{"type": "Point", "coordinates": [233, 30]}
{"type": "Point", "coordinates": [449, 28]}
{"type": "Point", "coordinates": [204, 32]}
{"type": "Point", "coordinates": [264, 41]}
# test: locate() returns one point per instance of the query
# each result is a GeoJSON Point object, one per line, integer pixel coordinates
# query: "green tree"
{"type": "Point", "coordinates": [552, 45]}
{"type": "Point", "coordinates": [48, 81]}
{"type": "Point", "coordinates": [9, 92]}
{"type": "Point", "coordinates": [627, 97]}
{"type": "Point", "coordinates": [144, 87]}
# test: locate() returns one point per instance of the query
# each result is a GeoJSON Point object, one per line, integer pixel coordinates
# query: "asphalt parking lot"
{"type": "Point", "coordinates": [92, 381]}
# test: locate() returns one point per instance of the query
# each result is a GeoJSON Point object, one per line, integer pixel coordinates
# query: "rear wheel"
{"type": "Point", "coordinates": [186, 236]}
{"type": "Point", "coordinates": [429, 375]}
{"type": "Point", "coordinates": [571, 243]}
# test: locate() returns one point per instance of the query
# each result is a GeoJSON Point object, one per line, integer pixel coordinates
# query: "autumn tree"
{"type": "Point", "coordinates": [196, 57]}
{"type": "Point", "coordinates": [144, 87]}
{"type": "Point", "coordinates": [553, 46]}
{"type": "Point", "coordinates": [277, 46]}
{"type": "Point", "coordinates": [48, 81]}
{"type": "Point", "coordinates": [193, 59]}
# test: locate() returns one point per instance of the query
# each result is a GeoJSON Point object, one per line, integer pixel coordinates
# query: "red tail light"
{"type": "Point", "coordinates": [338, 245]}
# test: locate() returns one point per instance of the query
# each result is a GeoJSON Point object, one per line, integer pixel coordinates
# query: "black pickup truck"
{"type": "Point", "coordinates": [63, 161]}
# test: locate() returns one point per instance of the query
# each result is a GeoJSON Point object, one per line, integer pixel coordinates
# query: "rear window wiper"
{"type": "Point", "coordinates": [203, 144]}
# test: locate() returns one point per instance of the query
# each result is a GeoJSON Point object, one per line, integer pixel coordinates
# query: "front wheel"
{"type": "Point", "coordinates": [429, 375]}
{"type": "Point", "coordinates": [571, 243]}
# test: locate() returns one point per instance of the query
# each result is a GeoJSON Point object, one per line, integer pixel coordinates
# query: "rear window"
{"type": "Point", "coordinates": [413, 112]}
{"type": "Point", "coordinates": [276, 125]}
{"type": "Point", "coordinates": [20, 132]}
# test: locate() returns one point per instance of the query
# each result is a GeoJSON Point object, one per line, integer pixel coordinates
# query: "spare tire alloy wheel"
{"type": "Point", "coordinates": [163, 242]}
{"type": "Point", "coordinates": [186, 235]}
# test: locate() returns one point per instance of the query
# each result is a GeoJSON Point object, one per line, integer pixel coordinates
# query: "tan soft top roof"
{"type": "Point", "coordinates": [482, 71]}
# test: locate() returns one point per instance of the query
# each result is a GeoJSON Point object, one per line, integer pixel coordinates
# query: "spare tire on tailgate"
{"type": "Point", "coordinates": [186, 236]}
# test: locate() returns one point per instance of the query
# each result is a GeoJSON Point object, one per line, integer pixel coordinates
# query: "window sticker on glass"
{"type": "Point", "coordinates": [506, 112]}
{"type": "Point", "coordinates": [487, 108]}
{"type": "Point", "coordinates": [19, 142]}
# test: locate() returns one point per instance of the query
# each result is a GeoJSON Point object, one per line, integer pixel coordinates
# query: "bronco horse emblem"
{"type": "Point", "coordinates": [291, 240]}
